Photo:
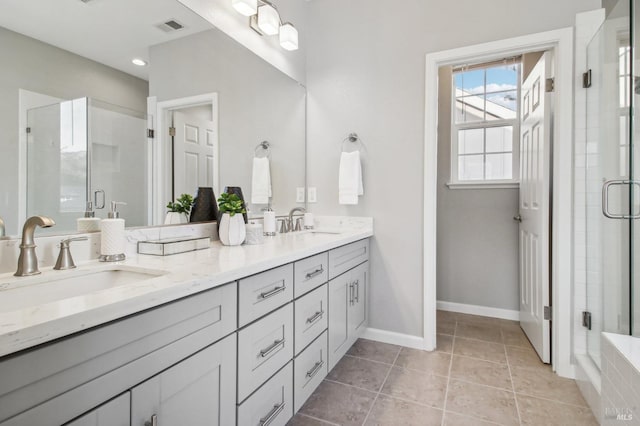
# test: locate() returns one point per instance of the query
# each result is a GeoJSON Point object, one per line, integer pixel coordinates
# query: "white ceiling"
{"type": "Point", "coordinates": [111, 32]}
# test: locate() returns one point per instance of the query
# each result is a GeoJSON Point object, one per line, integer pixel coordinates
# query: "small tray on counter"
{"type": "Point", "coordinates": [168, 246]}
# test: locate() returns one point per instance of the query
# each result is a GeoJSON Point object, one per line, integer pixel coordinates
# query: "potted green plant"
{"type": "Point", "coordinates": [179, 210]}
{"type": "Point", "coordinates": [232, 231]}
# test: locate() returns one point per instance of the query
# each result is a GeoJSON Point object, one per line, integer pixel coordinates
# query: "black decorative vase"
{"type": "Point", "coordinates": [238, 191]}
{"type": "Point", "coordinates": [205, 206]}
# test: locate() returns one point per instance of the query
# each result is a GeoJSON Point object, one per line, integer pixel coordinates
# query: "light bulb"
{"type": "Point", "coordinates": [246, 7]}
{"type": "Point", "coordinates": [268, 19]}
{"type": "Point", "coordinates": [288, 36]}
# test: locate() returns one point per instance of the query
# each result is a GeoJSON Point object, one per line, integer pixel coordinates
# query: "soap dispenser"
{"type": "Point", "coordinates": [88, 223]}
{"type": "Point", "coordinates": [112, 240]}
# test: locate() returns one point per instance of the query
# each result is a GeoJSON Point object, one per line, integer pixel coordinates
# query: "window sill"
{"type": "Point", "coordinates": [483, 185]}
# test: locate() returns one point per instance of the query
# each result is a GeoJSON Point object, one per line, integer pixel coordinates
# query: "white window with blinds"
{"type": "Point", "coordinates": [485, 124]}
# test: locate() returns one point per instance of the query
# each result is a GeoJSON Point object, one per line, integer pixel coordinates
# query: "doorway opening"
{"type": "Point", "coordinates": [187, 153]}
{"type": "Point", "coordinates": [560, 44]}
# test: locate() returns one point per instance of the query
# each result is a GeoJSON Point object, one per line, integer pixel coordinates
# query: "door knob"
{"type": "Point", "coordinates": [517, 218]}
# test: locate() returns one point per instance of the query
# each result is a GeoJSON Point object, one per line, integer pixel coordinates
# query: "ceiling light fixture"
{"type": "Point", "coordinates": [139, 62]}
{"type": "Point", "coordinates": [265, 20]}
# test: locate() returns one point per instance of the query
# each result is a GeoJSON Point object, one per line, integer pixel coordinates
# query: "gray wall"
{"type": "Point", "coordinates": [32, 65]}
{"type": "Point", "coordinates": [477, 241]}
{"type": "Point", "coordinates": [365, 73]}
{"type": "Point", "coordinates": [256, 102]}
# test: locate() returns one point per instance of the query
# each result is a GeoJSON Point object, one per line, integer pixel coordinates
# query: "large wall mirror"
{"type": "Point", "coordinates": [75, 113]}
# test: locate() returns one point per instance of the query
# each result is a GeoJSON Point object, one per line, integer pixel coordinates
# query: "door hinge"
{"type": "Point", "coordinates": [549, 85]}
{"type": "Point", "coordinates": [586, 319]}
{"type": "Point", "coordinates": [28, 130]}
{"type": "Point", "coordinates": [547, 313]}
{"type": "Point", "coordinates": [172, 131]}
{"type": "Point", "coordinates": [151, 133]}
{"type": "Point", "coordinates": [586, 79]}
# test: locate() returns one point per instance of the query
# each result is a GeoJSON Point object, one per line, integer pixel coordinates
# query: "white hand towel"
{"type": "Point", "coordinates": [350, 178]}
{"type": "Point", "coordinates": [261, 181]}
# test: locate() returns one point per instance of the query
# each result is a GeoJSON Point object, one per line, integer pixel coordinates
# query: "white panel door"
{"type": "Point", "coordinates": [194, 162]}
{"type": "Point", "coordinates": [535, 159]}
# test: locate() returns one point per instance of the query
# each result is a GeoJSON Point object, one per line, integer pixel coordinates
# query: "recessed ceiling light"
{"type": "Point", "coordinates": [139, 62]}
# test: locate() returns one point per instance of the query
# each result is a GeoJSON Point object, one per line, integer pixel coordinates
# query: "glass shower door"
{"type": "Point", "coordinates": [57, 162]}
{"type": "Point", "coordinates": [608, 174]}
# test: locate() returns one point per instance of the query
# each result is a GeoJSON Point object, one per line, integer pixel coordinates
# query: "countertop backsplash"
{"type": "Point", "coordinates": [82, 251]}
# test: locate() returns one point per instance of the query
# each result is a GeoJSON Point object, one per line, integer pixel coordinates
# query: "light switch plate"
{"type": "Point", "coordinates": [312, 194]}
{"type": "Point", "coordinates": [299, 195]}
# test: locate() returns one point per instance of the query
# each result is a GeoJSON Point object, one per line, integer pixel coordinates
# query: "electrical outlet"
{"type": "Point", "coordinates": [312, 194]}
{"type": "Point", "coordinates": [299, 195]}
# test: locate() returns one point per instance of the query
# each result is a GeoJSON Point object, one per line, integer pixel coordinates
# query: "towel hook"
{"type": "Point", "coordinates": [352, 138]}
{"type": "Point", "coordinates": [265, 146]}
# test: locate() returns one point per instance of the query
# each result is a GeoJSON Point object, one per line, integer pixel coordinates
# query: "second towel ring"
{"type": "Point", "coordinates": [264, 147]}
{"type": "Point", "coordinates": [352, 138]}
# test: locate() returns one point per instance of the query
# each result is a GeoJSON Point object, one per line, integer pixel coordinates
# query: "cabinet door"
{"type": "Point", "coordinates": [358, 309]}
{"type": "Point", "coordinates": [339, 304]}
{"type": "Point", "coordinates": [199, 391]}
{"type": "Point", "coordinates": [114, 413]}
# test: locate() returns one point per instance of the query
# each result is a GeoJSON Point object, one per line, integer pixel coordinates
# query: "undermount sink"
{"type": "Point", "coordinates": [53, 286]}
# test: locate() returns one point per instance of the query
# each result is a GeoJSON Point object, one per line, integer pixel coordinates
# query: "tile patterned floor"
{"type": "Point", "coordinates": [484, 372]}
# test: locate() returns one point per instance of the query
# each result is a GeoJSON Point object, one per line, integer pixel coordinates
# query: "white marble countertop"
{"type": "Point", "coordinates": [184, 274]}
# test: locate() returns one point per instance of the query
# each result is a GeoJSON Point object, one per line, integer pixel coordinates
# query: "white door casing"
{"type": "Point", "coordinates": [193, 153]}
{"type": "Point", "coordinates": [535, 179]}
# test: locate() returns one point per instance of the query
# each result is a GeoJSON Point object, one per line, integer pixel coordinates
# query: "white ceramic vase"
{"type": "Point", "coordinates": [232, 231]}
{"type": "Point", "coordinates": [175, 218]}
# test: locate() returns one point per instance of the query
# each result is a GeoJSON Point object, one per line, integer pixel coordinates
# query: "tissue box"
{"type": "Point", "coordinates": [172, 246]}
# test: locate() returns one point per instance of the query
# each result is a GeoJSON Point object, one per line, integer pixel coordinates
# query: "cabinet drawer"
{"type": "Point", "coordinates": [264, 292]}
{"type": "Point", "coordinates": [346, 257]}
{"type": "Point", "coordinates": [310, 368]}
{"type": "Point", "coordinates": [263, 348]}
{"type": "Point", "coordinates": [311, 317]}
{"type": "Point", "coordinates": [272, 404]}
{"type": "Point", "coordinates": [309, 273]}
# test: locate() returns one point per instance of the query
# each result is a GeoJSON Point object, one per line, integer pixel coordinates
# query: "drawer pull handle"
{"type": "Point", "coordinates": [153, 422]}
{"type": "Point", "coordinates": [277, 409]}
{"type": "Point", "coordinates": [315, 273]}
{"type": "Point", "coordinates": [315, 317]}
{"type": "Point", "coordinates": [311, 373]}
{"type": "Point", "coordinates": [271, 293]}
{"type": "Point", "coordinates": [357, 288]}
{"type": "Point", "coordinates": [265, 352]}
{"type": "Point", "coordinates": [351, 288]}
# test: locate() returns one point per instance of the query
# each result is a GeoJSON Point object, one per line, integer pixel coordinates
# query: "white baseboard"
{"type": "Point", "coordinates": [391, 337]}
{"type": "Point", "coordinates": [484, 311]}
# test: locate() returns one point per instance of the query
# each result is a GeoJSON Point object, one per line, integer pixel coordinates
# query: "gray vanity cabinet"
{"type": "Point", "coordinates": [347, 298]}
{"type": "Point", "coordinates": [113, 413]}
{"type": "Point", "coordinates": [194, 392]}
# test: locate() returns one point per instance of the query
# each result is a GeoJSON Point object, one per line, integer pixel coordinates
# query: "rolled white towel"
{"type": "Point", "coordinates": [350, 178]}
{"type": "Point", "coordinates": [261, 181]}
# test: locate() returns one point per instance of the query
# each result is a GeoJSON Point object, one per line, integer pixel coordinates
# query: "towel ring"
{"type": "Point", "coordinates": [264, 147]}
{"type": "Point", "coordinates": [353, 138]}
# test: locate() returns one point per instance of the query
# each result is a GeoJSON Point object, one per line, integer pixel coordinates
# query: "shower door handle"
{"type": "Point", "coordinates": [605, 198]}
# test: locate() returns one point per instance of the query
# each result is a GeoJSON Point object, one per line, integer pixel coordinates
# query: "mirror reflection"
{"type": "Point", "coordinates": [77, 113]}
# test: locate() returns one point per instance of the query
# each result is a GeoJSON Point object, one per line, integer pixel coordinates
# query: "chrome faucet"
{"type": "Point", "coordinates": [2, 229]}
{"type": "Point", "coordinates": [28, 262]}
{"type": "Point", "coordinates": [293, 227]}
